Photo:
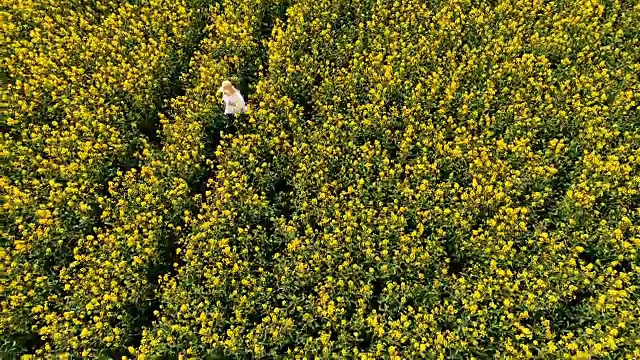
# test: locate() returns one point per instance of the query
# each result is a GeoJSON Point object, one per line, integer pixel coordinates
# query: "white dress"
{"type": "Point", "coordinates": [234, 104]}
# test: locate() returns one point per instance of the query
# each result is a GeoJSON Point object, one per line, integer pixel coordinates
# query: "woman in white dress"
{"type": "Point", "coordinates": [233, 100]}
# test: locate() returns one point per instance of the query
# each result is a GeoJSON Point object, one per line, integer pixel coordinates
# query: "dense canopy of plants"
{"type": "Point", "coordinates": [438, 179]}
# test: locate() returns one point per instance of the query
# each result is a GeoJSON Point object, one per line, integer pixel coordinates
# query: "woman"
{"type": "Point", "coordinates": [233, 100]}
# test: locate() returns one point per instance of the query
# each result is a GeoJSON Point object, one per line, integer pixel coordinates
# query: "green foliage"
{"type": "Point", "coordinates": [413, 179]}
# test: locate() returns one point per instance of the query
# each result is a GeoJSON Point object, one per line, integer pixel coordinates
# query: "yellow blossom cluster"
{"type": "Point", "coordinates": [85, 87]}
{"type": "Point", "coordinates": [442, 179]}
{"type": "Point", "coordinates": [418, 181]}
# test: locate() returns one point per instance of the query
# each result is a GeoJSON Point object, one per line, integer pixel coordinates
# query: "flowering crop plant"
{"type": "Point", "coordinates": [439, 179]}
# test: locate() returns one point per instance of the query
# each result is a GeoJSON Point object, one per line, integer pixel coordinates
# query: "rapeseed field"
{"type": "Point", "coordinates": [451, 179]}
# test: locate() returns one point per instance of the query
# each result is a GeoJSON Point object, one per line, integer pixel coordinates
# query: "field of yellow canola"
{"type": "Point", "coordinates": [414, 179]}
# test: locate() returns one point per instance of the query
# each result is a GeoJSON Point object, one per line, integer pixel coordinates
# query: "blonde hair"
{"type": "Point", "coordinates": [227, 88]}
